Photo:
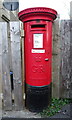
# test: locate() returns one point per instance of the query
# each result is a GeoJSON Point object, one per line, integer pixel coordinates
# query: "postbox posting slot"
{"type": "Point", "coordinates": [38, 27]}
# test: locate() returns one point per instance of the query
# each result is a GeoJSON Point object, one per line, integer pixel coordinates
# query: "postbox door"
{"type": "Point", "coordinates": [38, 57]}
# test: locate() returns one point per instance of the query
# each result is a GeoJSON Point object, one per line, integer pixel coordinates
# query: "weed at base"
{"type": "Point", "coordinates": [55, 107]}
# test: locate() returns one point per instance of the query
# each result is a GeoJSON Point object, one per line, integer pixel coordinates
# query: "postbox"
{"type": "Point", "coordinates": [38, 55]}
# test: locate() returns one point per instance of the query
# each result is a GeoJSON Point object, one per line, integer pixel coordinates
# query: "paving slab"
{"type": "Point", "coordinates": [20, 114]}
{"type": "Point", "coordinates": [65, 112]}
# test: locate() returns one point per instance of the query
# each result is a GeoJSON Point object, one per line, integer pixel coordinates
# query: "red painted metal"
{"type": "Point", "coordinates": [37, 13]}
{"type": "Point", "coordinates": [38, 55]}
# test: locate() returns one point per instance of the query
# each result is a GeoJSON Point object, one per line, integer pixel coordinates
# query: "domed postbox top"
{"type": "Point", "coordinates": [37, 13]}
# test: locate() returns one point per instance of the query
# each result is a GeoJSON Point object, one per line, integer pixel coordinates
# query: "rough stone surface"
{"type": "Point", "coordinates": [65, 69]}
{"type": "Point", "coordinates": [65, 112]}
{"type": "Point", "coordinates": [70, 24]}
{"type": "Point", "coordinates": [20, 114]}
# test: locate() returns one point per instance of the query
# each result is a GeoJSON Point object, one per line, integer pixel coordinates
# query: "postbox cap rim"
{"type": "Point", "coordinates": [39, 10]}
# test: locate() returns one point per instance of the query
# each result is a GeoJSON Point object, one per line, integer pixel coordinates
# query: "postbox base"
{"type": "Point", "coordinates": [38, 98]}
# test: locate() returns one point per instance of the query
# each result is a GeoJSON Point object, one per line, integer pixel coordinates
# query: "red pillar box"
{"type": "Point", "coordinates": [38, 55]}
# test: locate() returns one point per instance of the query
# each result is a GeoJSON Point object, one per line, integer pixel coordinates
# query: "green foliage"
{"type": "Point", "coordinates": [55, 107]}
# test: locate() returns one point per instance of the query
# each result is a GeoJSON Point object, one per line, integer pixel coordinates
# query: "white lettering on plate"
{"type": "Point", "coordinates": [38, 40]}
{"type": "Point", "coordinates": [37, 51]}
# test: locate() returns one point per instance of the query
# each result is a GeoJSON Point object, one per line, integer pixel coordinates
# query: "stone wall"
{"type": "Point", "coordinates": [65, 68]}
{"type": "Point", "coordinates": [62, 54]}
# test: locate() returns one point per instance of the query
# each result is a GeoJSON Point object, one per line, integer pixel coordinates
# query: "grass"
{"type": "Point", "coordinates": [55, 107]}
